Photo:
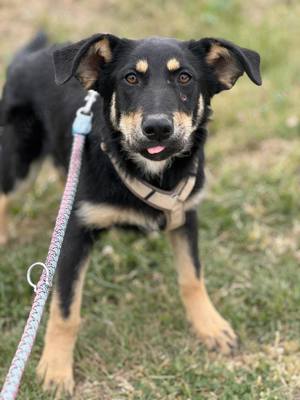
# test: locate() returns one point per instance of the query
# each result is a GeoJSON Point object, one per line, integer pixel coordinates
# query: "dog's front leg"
{"type": "Point", "coordinates": [56, 364]}
{"type": "Point", "coordinates": [213, 330]}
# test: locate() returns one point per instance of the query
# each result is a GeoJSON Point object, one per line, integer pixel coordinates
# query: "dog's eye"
{"type": "Point", "coordinates": [184, 78]}
{"type": "Point", "coordinates": [131, 78]}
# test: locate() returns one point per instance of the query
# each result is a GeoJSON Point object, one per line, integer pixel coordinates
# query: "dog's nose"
{"type": "Point", "coordinates": [157, 127]}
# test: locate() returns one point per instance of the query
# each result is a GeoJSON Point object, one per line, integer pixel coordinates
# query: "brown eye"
{"type": "Point", "coordinates": [131, 78]}
{"type": "Point", "coordinates": [184, 78]}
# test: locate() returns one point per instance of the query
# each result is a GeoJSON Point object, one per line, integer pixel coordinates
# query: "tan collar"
{"type": "Point", "coordinates": [171, 202]}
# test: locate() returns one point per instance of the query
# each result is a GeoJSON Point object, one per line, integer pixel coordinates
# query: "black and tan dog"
{"type": "Point", "coordinates": [143, 163]}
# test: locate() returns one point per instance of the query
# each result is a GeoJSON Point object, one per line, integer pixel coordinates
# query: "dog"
{"type": "Point", "coordinates": [143, 162]}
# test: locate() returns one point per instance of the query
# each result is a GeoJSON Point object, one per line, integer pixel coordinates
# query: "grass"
{"type": "Point", "coordinates": [135, 342]}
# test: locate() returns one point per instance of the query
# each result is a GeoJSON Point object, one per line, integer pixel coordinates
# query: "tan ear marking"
{"type": "Point", "coordinates": [173, 64]}
{"type": "Point", "coordinates": [102, 47]}
{"type": "Point", "coordinates": [227, 68]}
{"type": "Point", "coordinates": [142, 66]}
{"type": "Point", "coordinates": [88, 69]}
{"type": "Point", "coordinates": [217, 51]}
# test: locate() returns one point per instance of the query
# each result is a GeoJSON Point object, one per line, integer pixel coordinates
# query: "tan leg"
{"type": "Point", "coordinates": [212, 329]}
{"type": "Point", "coordinates": [3, 219]}
{"type": "Point", "coordinates": [56, 364]}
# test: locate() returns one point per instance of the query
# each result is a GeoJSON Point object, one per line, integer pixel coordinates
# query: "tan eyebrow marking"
{"type": "Point", "coordinates": [173, 64]}
{"type": "Point", "coordinates": [142, 66]}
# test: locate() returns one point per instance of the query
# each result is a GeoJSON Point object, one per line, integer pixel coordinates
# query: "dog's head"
{"type": "Point", "coordinates": [156, 91]}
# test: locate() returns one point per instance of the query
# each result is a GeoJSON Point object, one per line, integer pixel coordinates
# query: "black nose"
{"type": "Point", "coordinates": [157, 127]}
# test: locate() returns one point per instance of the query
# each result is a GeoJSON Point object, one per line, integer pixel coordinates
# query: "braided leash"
{"type": "Point", "coordinates": [81, 127]}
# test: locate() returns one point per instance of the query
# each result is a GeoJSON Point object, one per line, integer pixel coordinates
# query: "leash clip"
{"type": "Point", "coordinates": [29, 272]}
{"type": "Point", "coordinates": [90, 99]}
{"type": "Point", "coordinates": [82, 124]}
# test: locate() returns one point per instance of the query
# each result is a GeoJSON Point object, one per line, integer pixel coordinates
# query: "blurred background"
{"type": "Point", "coordinates": [136, 343]}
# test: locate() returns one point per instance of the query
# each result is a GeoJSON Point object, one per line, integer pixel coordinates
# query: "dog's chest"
{"type": "Point", "coordinates": [105, 215]}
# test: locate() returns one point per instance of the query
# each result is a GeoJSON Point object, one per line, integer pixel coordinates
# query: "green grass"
{"type": "Point", "coordinates": [135, 342]}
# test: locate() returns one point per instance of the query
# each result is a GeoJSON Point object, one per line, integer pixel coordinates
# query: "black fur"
{"type": "Point", "coordinates": [76, 247]}
{"type": "Point", "coordinates": [190, 232]}
{"type": "Point", "coordinates": [37, 115]}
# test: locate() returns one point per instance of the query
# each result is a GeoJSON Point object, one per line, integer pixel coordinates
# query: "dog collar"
{"type": "Point", "coordinates": [171, 202]}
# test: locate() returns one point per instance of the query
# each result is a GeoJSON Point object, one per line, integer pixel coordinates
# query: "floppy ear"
{"type": "Point", "coordinates": [228, 61]}
{"type": "Point", "coordinates": [84, 59]}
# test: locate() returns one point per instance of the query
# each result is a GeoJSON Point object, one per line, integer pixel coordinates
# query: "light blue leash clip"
{"type": "Point", "coordinates": [82, 124]}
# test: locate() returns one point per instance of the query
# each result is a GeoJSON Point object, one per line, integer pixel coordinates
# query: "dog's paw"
{"type": "Point", "coordinates": [217, 335]}
{"type": "Point", "coordinates": [212, 329]}
{"type": "Point", "coordinates": [57, 377]}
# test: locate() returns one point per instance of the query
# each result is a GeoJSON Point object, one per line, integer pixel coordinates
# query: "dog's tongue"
{"type": "Point", "coordinates": [156, 149]}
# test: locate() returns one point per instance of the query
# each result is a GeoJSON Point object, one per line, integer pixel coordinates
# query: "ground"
{"type": "Point", "coordinates": [135, 342]}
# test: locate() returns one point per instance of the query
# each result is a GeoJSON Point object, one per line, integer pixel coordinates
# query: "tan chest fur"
{"type": "Point", "coordinates": [103, 215]}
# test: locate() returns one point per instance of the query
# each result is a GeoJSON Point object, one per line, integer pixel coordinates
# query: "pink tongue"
{"type": "Point", "coordinates": [156, 149]}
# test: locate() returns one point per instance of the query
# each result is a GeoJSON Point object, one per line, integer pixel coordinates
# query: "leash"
{"type": "Point", "coordinates": [82, 126]}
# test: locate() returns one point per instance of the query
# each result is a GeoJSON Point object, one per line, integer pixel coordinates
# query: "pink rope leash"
{"type": "Point", "coordinates": [81, 127]}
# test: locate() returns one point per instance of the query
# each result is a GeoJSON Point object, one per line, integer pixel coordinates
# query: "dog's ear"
{"type": "Point", "coordinates": [84, 59]}
{"type": "Point", "coordinates": [227, 61]}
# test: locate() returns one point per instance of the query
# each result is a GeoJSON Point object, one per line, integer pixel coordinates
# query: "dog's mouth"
{"type": "Point", "coordinates": [159, 152]}
{"type": "Point", "coordinates": [156, 151]}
